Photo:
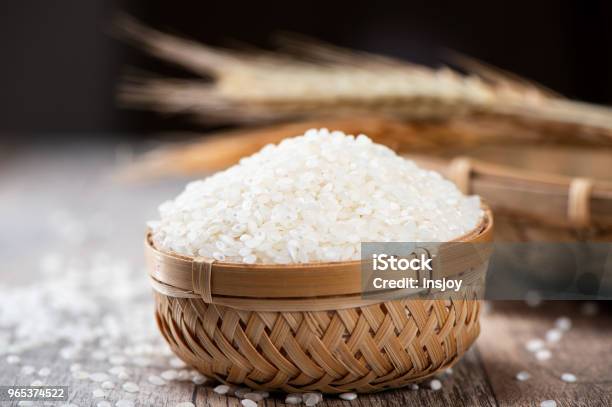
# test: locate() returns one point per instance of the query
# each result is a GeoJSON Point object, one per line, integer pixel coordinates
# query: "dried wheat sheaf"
{"type": "Point", "coordinates": [305, 79]}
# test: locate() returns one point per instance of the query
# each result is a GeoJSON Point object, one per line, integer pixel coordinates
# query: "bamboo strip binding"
{"type": "Point", "coordinates": [336, 343]}
{"type": "Point", "coordinates": [579, 199]}
{"type": "Point", "coordinates": [579, 203]}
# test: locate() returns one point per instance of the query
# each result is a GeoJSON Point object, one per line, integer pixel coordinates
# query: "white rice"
{"type": "Point", "coordinates": [568, 377]}
{"type": "Point", "coordinates": [293, 399]}
{"type": "Point", "coordinates": [131, 387]}
{"type": "Point", "coordinates": [313, 198]}
{"type": "Point", "coordinates": [554, 335]}
{"type": "Point", "coordinates": [522, 376]}
{"type": "Point", "coordinates": [435, 384]}
{"type": "Point", "coordinates": [222, 389]}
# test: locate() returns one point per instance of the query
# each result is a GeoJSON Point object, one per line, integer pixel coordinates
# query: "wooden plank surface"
{"type": "Point", "coordinates": [466, 386]}
{"type": "Point", "coordinates": [584, 351]}
{"type": "Point", "coordinates": [34, 183]}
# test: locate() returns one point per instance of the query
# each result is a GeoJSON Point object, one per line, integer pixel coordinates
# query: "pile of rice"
{"type": "Point", "coordinates": [313, 198]}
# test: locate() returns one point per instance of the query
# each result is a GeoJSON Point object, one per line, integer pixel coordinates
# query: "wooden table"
{"type": "Point", "coordinates": [80, 180]}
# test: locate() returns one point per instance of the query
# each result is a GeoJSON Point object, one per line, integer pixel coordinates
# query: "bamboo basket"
{"type": "Point", "coordinates": [301, 328]}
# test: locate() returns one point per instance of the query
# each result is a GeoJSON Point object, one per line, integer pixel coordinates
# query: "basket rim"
{"type": "Point", "coordinates": [330, 285]}
{"type": "Point", "coordinates": [482, 233]}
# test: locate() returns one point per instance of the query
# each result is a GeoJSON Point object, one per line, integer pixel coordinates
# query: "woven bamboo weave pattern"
{"type": "Point", "coordinates": [313, 331]}
{"type": "Point", "coordinates": [368, 348]}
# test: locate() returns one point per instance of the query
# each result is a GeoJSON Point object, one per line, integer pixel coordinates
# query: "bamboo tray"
{"type": "Point", "coordinates": [307, 327]}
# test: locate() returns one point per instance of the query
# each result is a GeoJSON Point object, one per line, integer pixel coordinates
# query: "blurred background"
{"type": "Point", "coordinates": [61, 65]}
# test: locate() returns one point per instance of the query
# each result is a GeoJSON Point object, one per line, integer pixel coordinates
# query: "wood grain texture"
{"type": "Point", "coordinates": [484, 377]}
{"type": "Point", "coordinates": [467, 386]}
{"type": "Point", "coordinates": [583, 351]}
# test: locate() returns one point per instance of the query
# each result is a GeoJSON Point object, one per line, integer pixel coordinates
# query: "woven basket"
{"type": "Point", "coordinates": [307, 327]}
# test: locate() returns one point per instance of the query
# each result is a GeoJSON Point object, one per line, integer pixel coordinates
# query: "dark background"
{"type": "Point", "coordinates": [60, 66]}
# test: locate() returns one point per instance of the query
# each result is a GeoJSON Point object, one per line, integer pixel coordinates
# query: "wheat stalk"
{"type": "Point", "coordinates": [308, 79]}
{"type": "Point", "coordinates": [223, 149]}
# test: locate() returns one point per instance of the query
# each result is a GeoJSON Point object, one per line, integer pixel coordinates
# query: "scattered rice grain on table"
{"type": "Point", "coordinates": [534, 345]}
{"type": "Point", "coordinates": [253, 396]}
{"type": "Point", "coordinates": [543, 354]}
{"type": "Point", "coordinates": [312, 399]}
{"type": "Point", "coordinates": [108, 385]}
{"type": "Point", "coordinates": [156, 380]}
{"type": "Point", "coordinates": [554, 335]}
{"type": "Point", "coordinates": [28, 370]}
{"type": "Point", "coordinates": [176, 362]}
{"type": "Point", "coordinates": [98, 393]}
{"type": "Point", "coordinates": [222, 389]}
{"type": "Point", "coordinates": [435, 384]}
{"type": "Point", "coordinates": [522, 376]}
{"type": "Point", "coordinates": [348, 396]}
{"type": "Point", "coordinates": [183, 375]}
{"type": "Point", "coordinates": [293, 399]}
{"type": "Point", "coordinates": [130, 387]}
{"type": "Point", "coordinates": [169, 374]}
{"type": "Point", "coordinates": [45, 371]}
{"type": "Point", "coordinates": [199, 379]}
{"type": "Point", "coordinates": [568, 377]}
{"type": "Point", "coordinates": [563, 323]}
